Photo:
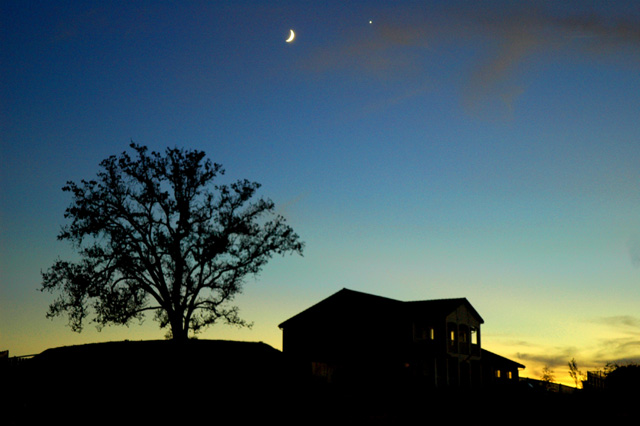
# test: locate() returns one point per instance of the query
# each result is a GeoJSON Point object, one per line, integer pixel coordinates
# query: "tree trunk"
{"type": "Point", "coordinates": [179, 333]}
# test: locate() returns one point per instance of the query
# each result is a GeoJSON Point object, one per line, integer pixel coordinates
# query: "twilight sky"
{"type": "Point", "coordinates": [422, 149]}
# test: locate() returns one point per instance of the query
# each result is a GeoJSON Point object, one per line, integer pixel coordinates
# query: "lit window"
{"type": "Point", "coordinates": [474, 336]}
{"type": "Point", "coordinates": [510, 375]}
{"type": "Point", "coordinates": [453, 336]}
{"type": "Point", "coordinates": [497, 374]}
{"type": "Point", "coordinates": [432, 333]}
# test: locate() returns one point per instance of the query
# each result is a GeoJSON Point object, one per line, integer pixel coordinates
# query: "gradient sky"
{"type": "Point", "coordinates": [423, 149]}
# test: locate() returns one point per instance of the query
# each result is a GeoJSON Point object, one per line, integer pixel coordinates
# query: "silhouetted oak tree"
{"type": "Point", "coordinates": [154, 233]}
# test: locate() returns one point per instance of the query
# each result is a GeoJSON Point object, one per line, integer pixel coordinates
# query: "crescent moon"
{"type": "Point", "coordinates": [292, 35]}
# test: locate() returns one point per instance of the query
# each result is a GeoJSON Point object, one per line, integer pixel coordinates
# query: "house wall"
{"type": "Point", "coordinates": [442, 359]}
{"type": "Point", "coordinates": [499, 371]}
{"type": "Point", "coordinates": [348, 349]}
{"type": "Point", "coordinates": [461, 327]}
{"type": "Point", "coordinates": [345, 337]}
{"type": "Point", "coordinates": [500, 374]}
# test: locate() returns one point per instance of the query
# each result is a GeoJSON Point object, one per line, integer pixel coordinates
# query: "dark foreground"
{"type": "Point", "coordinates": [160, 382]}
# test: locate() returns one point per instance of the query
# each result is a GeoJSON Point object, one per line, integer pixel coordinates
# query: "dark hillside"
{"type": "Point", "coordinates": [138, 382]}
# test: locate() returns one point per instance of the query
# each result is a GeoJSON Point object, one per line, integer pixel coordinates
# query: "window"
{"type": "Point", "coordinates": [510, 374]}
{"type": "Point", "coordinates": [474, 336]}
{"type": "Point", "coordinates": [421, 332]}
{"type": "Point", "coordinates": [497, 374]}
{"type": "Point", "coordinates": [452, 329]}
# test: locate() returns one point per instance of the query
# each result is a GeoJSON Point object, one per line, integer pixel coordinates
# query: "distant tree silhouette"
{"type": "Point", "coordinates": [155, 234]}
{"type": "Point", "coordinates": [575, 373]}
{"type": "Point", "coordinates": [610, 367]}
{"type": "Point", "coordinates": [547, 376]}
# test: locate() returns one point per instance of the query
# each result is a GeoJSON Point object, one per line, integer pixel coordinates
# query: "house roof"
{"type": "Point", "coordinates": [441, 307]}
{"type": "Point", "coordinates": [495, 358]}
{"type": "Point", "coordinates": [347, 300]}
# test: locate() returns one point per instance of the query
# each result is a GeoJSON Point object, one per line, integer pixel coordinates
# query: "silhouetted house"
{"type": "Point", "coordinates": [358, 336]}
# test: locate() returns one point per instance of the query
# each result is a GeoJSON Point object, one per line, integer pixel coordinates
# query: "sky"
{"type": "Point", "coordinates": [421, 149]}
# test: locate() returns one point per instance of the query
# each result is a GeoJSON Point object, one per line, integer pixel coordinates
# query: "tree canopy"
{"type": "Point", "coordinates": [154, 233]}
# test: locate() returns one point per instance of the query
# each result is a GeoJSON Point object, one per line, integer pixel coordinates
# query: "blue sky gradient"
{"type": "Point", "coordinates": [421, 149]}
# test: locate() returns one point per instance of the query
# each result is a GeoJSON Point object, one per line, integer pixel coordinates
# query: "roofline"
{"type": "Point", "coordinates": [454, 299]}
{"type": "Point", "coordinates": [346, 290]}
{"type": "Point", "coordinates": [343, 290]}
{"type": "Point", "coordinates": [504, 358]}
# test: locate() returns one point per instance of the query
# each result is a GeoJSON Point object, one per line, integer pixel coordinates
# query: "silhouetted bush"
{"type": "Point", "coordinates": [624, 379]}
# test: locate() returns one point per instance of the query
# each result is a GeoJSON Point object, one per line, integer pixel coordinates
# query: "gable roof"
{"type": "Point", "coordinates": [442, 307]}
{"type": "Point", "coordinates": [347, 300]}
{"type": "Point", "coordinates": [344, 300]}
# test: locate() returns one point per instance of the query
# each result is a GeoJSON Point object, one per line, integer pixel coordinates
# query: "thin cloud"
{"type": "Point", "coordinates": [552, 358]}
{"type": "Point", "coordinates": [506, 42]}
{"type": "Point", "coordinates": [288, 207]}
{"type": "Point", "coordinates": [628, 322]}
{"type": "Point", "coordinates": [618, 348]}
{"type": "Point", "coordinates": [633, 245]}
